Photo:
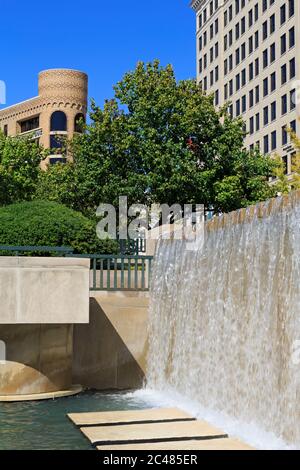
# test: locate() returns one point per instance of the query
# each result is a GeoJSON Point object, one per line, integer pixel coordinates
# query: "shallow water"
{"type": "Point", "coordinates": [44, 425]}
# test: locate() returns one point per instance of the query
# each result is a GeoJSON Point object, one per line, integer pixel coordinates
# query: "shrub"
{"type": "Point", "coordinates": [46, 223]}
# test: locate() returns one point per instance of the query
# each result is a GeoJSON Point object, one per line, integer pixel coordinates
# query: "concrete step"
{"type": "Point", "coordinates": [128, 417]}
{"type": "Point", "coordinates": [152, 429]}
{"type": "Point", "coordinates": [213, 444]}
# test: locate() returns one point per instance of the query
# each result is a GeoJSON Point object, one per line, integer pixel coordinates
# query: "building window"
{"type": "Point", "coordinates": [282, 14]}
{"type": "Point", "coordinates": [292, 68]}
{"type": "Point", "coordinates": [283, 44]}
{"type": "Point", "coordinates": [58, 121]}
{"type": "Point", "coordinates": [216, 97]}
{"type": "Point", "coordinates": [256, 39]}
{"type": "Point", "coordinates": [285, 164]}
{"type": "Point", "coordinates": [225, 18]}
{"type": "Point", "coordinates": [265, 58]}
{"type": "Point", "coordinates": [273, 111]}
{"type": "Point", "coordinates": [243, 77]}
{"type": "Point", "coordinates": [292, 99]}
{"type": "Point", "coordinates": [273, 81]}
{"type": "Point", "coordinates": [5, 130]}
{"type": "Point", "coordinates": [243, 25]}
{"type": "Point", "coordinates": [293, 126]}
{"type": "Point", "coordinates": [244, 104]}
{"type": "Point", "coordinates": [283, 74]}
{"type": "Point", "coordinates": [216, 74]}
{"type": "Point", "coordinates": [56, 142]}
{"type": "Point", "coordinates": [29, 124]}
{"type": "Point", "coordinates": [251, 71]}
{"type": "Point", "coordinates": [273, 140]}
{"type": "Point", "coordinates": [266, 115]}
{"type": "Point", "coordinates": [272, 24]}
{"type": "Point", "coordinates": [264, 5]}
{"type": "Point", "coordinates": [243, 49]}
{"type": "Point", "coordinates": [216, 26]}
{"type": "Point", "coordinates": [216, 50]}
{"type": "Point", "coordinates": [291, 37]}
{"type": "Point", "coordinates": [272, 52]}
{"type": "Point", "coordinates": [291, 8]}
{"type": "Point", "coordinates": [226, 91]}
{"type": "Point", "coordinates": [266, 87]}
{"type": "Point", "coordinates": [265, 30]}
{"type": "Point", "coordinates": [283, 104]}
{"type": "Point", "coordinates": [57, 160]}
{"type": "Point", "coordinates": [257, 94]}
{"type": "Point", "coordinates": [257, 122]}
{"type": "Point", "coordinates": [251, 125]}
{"type": "Point", "coordinates": [251, 98]}
{"type": "Point", "coordinates": [284, 135]}
{"type": "Point", "coordinates": [266, 144]}
{"type": "Point", "coordinates": [250, 44]}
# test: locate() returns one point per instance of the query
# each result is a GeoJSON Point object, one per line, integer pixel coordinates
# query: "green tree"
{"type": "Point", "coordinates": [160, 140]}
{"type": "Point", "coordinates": [19, 168]}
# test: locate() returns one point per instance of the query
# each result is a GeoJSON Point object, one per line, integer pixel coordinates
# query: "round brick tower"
{"type": "Point", "coordinates": [63, 94]}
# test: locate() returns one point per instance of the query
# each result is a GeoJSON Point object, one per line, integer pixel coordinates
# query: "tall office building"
{"type": "Point", "coordinates": [247, 55]}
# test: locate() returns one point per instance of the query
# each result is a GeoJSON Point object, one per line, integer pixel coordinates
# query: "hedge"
{"type": "Point", "coordinates": [45, 223]}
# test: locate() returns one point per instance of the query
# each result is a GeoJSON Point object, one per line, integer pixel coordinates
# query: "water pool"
{"type": "Point", "coordinates": [44, 425]}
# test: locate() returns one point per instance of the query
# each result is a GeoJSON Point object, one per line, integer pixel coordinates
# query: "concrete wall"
{"type": "Point", "coordinates": [40, 300]}
{"type": "Point", "coordinates": [110, 352]}
{"type": "Point", "coordinates": [38, 359]}
{"type": "Point", "coordinates": [44, 290]}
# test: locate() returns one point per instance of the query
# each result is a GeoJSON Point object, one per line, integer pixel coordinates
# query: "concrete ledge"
{"type": "Point", "coordinates": [74, 390]}
{"type": "Point", "coordinates": [44, 290]}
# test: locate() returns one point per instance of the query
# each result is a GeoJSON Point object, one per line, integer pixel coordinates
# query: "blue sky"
{"type": "Point", "coordinates": [102, 38]}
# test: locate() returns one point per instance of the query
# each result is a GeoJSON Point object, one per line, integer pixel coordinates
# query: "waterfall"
{"type": "Point", "coordinates": [224, 321]}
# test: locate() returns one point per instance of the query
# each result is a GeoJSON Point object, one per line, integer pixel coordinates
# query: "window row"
{"type": "Point", "coordinates": [238, 6]}
{"type": "Point", "coordinates": [288, 102]}
{"type": "Point", "coordinates": [208, 12]}
{"type": "Point", "coordinates": [270, 141]}
{"type": "Point", "coordinates": [213, 54]}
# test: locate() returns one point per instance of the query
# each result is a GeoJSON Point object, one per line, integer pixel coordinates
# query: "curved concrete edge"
{"type": "Point", "coordinates": [74, 390]}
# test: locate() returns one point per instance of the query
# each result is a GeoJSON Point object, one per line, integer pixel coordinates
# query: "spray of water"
{"type": "Point", "coordinates": [224, 321]}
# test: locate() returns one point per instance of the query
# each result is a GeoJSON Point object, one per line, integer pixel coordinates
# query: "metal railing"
{"type": "Point", "coordinates": [19, 250]}
{"type": "Point", "coordinates": [119, 272]}
{"type": "Point", "coordinates": [125, 272]}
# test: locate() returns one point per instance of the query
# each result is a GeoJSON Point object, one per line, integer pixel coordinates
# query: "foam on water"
{"type": "Point", "coordinates": [223, 324]}
{"type": "Point", "coordinates": [249, 433]}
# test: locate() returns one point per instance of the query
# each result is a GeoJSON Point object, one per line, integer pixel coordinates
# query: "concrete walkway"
{"type": "Point", "coordinates": [154, 429]}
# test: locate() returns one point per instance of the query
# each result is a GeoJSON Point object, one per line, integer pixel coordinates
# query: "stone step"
{"type": "Point", "coordinates": [151, 432]}
{"type": "Point", "coordinates": [152, 429]}
{"type": "Point", "coordinates": [212, 444]}
{"type": "Point", "coordinates": [128, 417]}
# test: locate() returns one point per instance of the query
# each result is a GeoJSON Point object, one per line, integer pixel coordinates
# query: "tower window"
{"type": "Point", "coordinates": [58, 121]}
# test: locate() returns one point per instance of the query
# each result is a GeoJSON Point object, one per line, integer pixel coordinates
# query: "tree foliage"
{"type": "Point", "coordinates": [159, 140]}
{"type": "Point", "coordinates": [19, 168]}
